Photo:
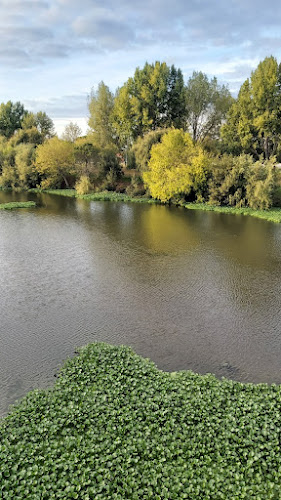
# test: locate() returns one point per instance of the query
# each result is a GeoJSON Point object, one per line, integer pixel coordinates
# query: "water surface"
{"type": "Point", "coordinates": [188, 289]}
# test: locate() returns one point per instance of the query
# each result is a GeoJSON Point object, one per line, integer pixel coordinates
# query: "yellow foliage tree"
{"type": "Point", "coordinates": [83, 185]}
{"type": "Point", "coordinates": [55, 161]}
{"type": "Point", "coordinates": [176, 167]}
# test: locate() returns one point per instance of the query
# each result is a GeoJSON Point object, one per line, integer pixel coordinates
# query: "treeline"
{"type": "Point", "coordinates": [157, 134]}
{"type": "Point", "coordinates": [21, 132]}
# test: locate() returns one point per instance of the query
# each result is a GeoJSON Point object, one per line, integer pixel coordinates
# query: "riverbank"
{"type": "Point", "coordinates": [17, 204]}
{"type": "Point", "coordinates": [272, 215]}
{"type": "Point", "coordinates": [114, 426]}
{"type": "Point", "coordinates": [99, 196]}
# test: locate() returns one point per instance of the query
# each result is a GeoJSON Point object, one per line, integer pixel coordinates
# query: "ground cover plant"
{"type": "Point", "coordinates": [115, 427]}
{"type": "Point", "coordinates": [98, 196]}
{"type": "Point", "coordinates": [273, 214]}
{"type": "Point", "coordinates": [17, 204]}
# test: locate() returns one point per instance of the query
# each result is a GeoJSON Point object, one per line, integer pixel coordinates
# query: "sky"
{"type": "Point", "coordinates": [53, 52]}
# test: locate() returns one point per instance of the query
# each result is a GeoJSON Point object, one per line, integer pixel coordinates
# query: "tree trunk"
{"type": "Point", "coordinates": [65, 181]}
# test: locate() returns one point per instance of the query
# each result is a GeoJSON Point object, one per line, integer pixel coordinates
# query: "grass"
{"type": "Point", "coordinates": [273, 215]}
{"type": "Point", "coordinates": [115, 427]}
{"type": "Point", "coordinates": [99, 196]}
{"type": "Point", "coordinates": [17, 204]}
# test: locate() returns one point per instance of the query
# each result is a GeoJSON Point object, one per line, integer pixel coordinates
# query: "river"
{"type": "Point", "coordinates": [188, 289]}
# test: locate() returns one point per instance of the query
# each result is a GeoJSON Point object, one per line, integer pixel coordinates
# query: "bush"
{"type": "Point", "coordinates": [276, 197]}
{"type": "Point", "coordinates": [136, 187]}
{"type": "Point", "coordinates": [176, 167]}
{"type": "Point", "coordinates": [140, 153]}
{"type": "Point", "coordinates": [83, 185]}
{"type": "Point", "coordinates": [242, 182]}
{"type": "Point", "coordinates": [261, 185]}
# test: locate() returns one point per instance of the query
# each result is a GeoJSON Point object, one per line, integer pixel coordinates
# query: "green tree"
{"type": "Point", "coordinates": [28, 121]}
{"type": "Point", "coordinates": [141, 149]}
{"type": "Point", "coordinates": [100, 106]}
{"type": "Point", "coordinates": [124, 119]}
{"type": "Point", "coordinates": [54, 161]}
{"type": "Point", "coordinates": [11, 116]}
{"type": "Point", "coordinates": [27, 135]}
{"type": "Point", "coordinates": [17, 167]}
{"type": "Point", "coordinates": [7, 153]}
{"type": "Point", "coordinates": [228, 182]}
{"type": "Point", "coordinates": [24, 156]}
{"type": "Point", "coordinates": [261, 184]}
{"type": "Point", "coordinates": [36, 128]}
{"type": "Point", "coordinates": [254, 121]}
{"type": "Point", "coordinates": [155, 98]}
{"type": "Point", "coordinates": [44, 125]}
{"type": "Point", "coordinates": [266, 104]}
{"type": "Point", "coordinates": [238, 133]}
{"type": "Point", "coordinates": [109, 164]}
{"type": "Point", "coordinates": [87, 158]}
{"type": "Point", "coordinates": [207, 104]}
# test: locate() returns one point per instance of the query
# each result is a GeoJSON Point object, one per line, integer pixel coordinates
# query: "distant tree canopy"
{"type": "Point", "coordinates": [36, 127]}
{"type": "Point", "coordinates": [100, 105]}
{"type": "Point", "coordinates": [155, 98]}
{"type": "Point", "coordinates": [180, 169]}
{"type": "Point", "coordinates": [179, 141]}
{"type": "Point", "coordinates": [20, 133]}
{"type": "Point", "coordinates": [254, 120]}
{"type": "Point", "coordinates": [207, 104]}
{"type": "Point", "coordinates": [11, 117]}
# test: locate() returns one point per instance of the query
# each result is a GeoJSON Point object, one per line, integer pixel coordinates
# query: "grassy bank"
{"type": "Point", "coordinates": [17, 204]}
{"type": "Point", "coordinates": [273, 215]}
{"type": "Point", "coordinates": [116, 427]}
{"type": "Point", "coordinates": [102, 196]}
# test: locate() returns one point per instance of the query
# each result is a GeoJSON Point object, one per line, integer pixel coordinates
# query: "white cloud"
{"type": "Point", "coordinates": [111, 26]}
{"type": "Point", "coordinates": [53, 51]}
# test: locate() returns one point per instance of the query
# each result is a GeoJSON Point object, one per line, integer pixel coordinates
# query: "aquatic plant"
{"type": "Point", "coordinates": [115, 427]}
{"type": "Point", "coordinates": [17, 204]}
{"type": "Point", "coordinates": [98, 196]}
{"type": "Point", "coordinates": [273, 214]}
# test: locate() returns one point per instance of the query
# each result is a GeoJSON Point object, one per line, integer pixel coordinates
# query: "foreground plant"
{"type": "Point", "coordinates": [116, 427]}
{"type": "Point", "coordinates": [17, 204]}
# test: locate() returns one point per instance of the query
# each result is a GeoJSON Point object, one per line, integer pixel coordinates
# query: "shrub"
{"type": "Point", "coordinates": [83, 186]}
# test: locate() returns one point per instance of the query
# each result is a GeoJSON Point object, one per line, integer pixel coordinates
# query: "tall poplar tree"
{"type": "Point", "coordinates": [155, 98]}
{"type": "Point", "coordinates": [254, 120]}
{"type": "Point", "coordinates": [11, 116]}
{"type": "Point", "coordinates": [238, 133]}
{"type": "Point", "coordinates": [100, 106]}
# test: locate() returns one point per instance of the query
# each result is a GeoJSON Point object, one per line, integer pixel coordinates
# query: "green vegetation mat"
{"type": "Point", "coordinates": [99, 196]}
{"type": "Point", "coordinates": [17, 204]}
{"type": "Point", "coordinates": [273, 214]}
{"type": "Point", "coordinates": [116, 427]}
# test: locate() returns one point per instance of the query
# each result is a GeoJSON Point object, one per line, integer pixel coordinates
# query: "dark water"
{"type": "Point", "coordinates": [188, 289]}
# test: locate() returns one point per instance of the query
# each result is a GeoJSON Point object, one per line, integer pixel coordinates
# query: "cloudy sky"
{"type": "Point", "coordinates": [52, 52]}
